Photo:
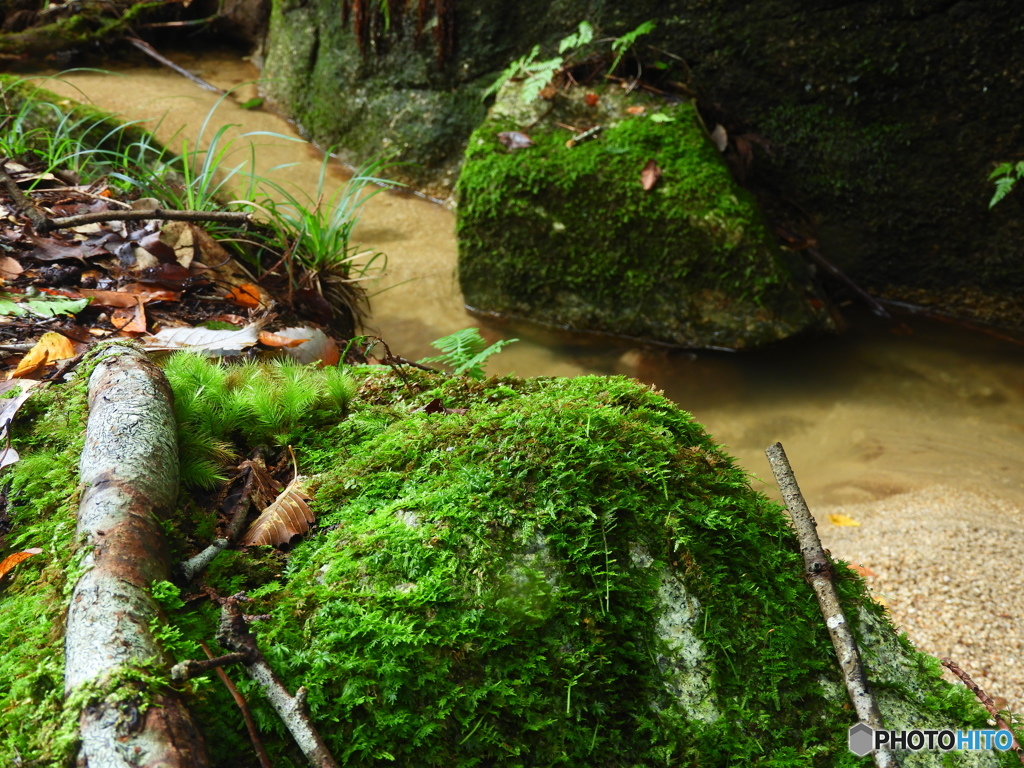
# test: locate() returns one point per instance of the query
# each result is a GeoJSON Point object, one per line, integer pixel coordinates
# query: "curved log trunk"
{"type": "Point", "coordinates": [129, 470]}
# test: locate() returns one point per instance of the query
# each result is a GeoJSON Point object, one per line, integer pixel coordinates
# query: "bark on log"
{"type": "Point", "coordinates": [129, 471]}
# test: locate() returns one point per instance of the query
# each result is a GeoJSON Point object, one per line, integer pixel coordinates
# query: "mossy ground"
{"type": "Point", "coordinates": [40, 497]}
{"type": "Point", "coordinates": [569, 237]}
{"type": "Point", "coordinates": [482, 588]}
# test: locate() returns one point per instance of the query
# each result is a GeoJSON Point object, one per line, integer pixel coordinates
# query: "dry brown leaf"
{"type": "Point", "coordinates": [131, 320]}
{"type": "Point", "coordinates": [12, 560]}
{"type": "Point", "coordinates": [246, 295]}
{"type": "Point", "coordinates": [178, 236]}
{"type": "Point", "coordinates": [109, 298]}
{"type": "Point", "coordinates": [269, 339]}
{"type": "Point", "coordinates": [9, 268]}
{"type": "Point", "coordinates": [636, 109]}
{"type": "Point", "coordinates": [287, 517]}
{"type": "Point", "coordinates": [50, 348]}
{"type": "Point", "coordinates": [317, 346]}
{"type": "Point", "coordinates": [649, 175]}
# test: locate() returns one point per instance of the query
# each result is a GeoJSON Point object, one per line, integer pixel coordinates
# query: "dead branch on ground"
{"type": "Point", "coordinates": [819, 571]}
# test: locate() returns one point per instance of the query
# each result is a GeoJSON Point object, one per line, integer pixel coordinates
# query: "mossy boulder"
{"type": "Point", "coordinates": [884, 119]}
{"type": "Point", "coordinates": [566, 572]}
{"type": "Point", "coordinates": [570, 236]}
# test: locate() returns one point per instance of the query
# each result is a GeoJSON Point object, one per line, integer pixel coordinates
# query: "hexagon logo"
{"type": "Point", "coordinates": [861, 739]}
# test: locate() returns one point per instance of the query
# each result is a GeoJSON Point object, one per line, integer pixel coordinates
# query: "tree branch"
{"type": "Point", "coordinates": [234, 634]}
{"type": "Point", "coordinates": [818, 569]}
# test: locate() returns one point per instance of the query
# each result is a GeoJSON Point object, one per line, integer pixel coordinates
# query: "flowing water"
{"type": "Point", "coordinates": [873, 413]}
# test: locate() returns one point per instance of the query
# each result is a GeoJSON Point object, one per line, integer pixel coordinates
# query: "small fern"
{"type": "Point", "coordinates": [465, 352]}
{"type": "Point", "coordinates": [622, 44]}
{"type": "Point", "coordinates": [1006, 176]}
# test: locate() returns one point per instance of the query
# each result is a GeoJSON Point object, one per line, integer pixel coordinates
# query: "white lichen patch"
{"type": "Point", "coordinates": [686, 669]}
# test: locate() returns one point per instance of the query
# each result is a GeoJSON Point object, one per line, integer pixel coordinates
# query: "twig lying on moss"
{"type": "Point", "coordinates": [235, 635]}
{"type": "Point", "coordinates": [987, 702]}
{"type": "Point", "coordinates": [819, 571]}
{"type": "Point", "coordinates": [250, 724]}
{"type": "Point", "coordinates": [227, 217]}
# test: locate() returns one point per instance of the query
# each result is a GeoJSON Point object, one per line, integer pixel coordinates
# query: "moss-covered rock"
{"type": "Point", "coordinates": [570, 572]}
{"type": "Point", "coordinates": [884, 119]}
{"type": "Point", "coordinates": [569, 236]}
{"type": "Point", "coordinates": [567, 572]}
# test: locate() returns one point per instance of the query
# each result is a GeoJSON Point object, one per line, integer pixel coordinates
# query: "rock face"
{"type": "Point", "coordinates": [884, 119]}
{"type": "Point", "coordinates": [638, 230]}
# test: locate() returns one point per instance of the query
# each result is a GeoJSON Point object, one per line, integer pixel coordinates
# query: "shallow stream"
{"type": "Point", "coordinates": [880, 410]}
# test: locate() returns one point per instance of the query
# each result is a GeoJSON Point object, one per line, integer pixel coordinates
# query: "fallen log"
{"type": "Point", "coordinates": [129, 472]}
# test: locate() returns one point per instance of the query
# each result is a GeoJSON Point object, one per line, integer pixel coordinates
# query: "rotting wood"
{"type": "Point", "coordinates": [819, 571]}
{"type": "Point", "coordinates": [129, 471]}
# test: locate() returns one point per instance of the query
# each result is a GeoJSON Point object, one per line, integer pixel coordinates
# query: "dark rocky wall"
{"type": "Point", "coordinates": [884, 118]}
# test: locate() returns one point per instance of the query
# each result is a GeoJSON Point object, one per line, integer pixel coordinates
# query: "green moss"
{"type": "Point", "coordinates": [41, 496]}
{"type": "Point", "coordinates": [497, 587]}
{"type": "Point", "coordinates": [569, 237]}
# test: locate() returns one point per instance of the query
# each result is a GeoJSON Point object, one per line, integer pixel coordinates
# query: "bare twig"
{"type": "Point", "coordinates": [229, 217]}
{"type": "Point", "coordinates": [873, 304]}
{"type": "Point", "coordinates": [819, 570]}
{"type": "Point", "coordinates": [195, 565]}
{"type": "Point", "coordinates": [987, 702]}
{"type": "Point", "coordinates": [250, 724]}
{"type": "Point", "coordinates": [234, 634]}
{"type": "Point", "coordinates": [150, 51]}
{"type": "Point", "coordinates": [186, 670]}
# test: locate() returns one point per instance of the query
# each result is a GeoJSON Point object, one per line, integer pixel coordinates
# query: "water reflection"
{"type": "Point", "coordinates": [862, 417]}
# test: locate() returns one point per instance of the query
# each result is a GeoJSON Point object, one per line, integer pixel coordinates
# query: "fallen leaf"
{"type": "Point", "coordinates": [843, 520]}
{"type": "Point", "coordinates": [48, 249]}
{"type": "Point", "coordinates": [720, 138]}
{"type": "Point", "coordinates": [515, 139]}
{"type": "Point", "coordinates": [591, 99]}
{"type": "Point", "coordinates": [10, 408]}
{"type": "Point", "coordinates": [548, 92]}
{"type": "Point", "coordinates": [286, 517]}
{"type": "Point", "coordinates": [649, 175]}
{"type": "Point", "coordinates": [246, 295]}
{"type": "Point", "coordinates": [212, 342]}
{"type": "Point", "coordinates": [109, 298]}
{"type": "Point", "coordinates": [12, 560]}
{"type": "Point", "coordinates": [50, 348]}
{"type": "Point", "coordinates": [9, 456]}
{"type": "Point", "coordinates": [637, 109]}
{"type": "Point", "coordinates": [9, 268]}
{"type": "Point", "coordinates": [130, 320]}
{"type": "Point", "coordinates": [317, 346]}
{"type": "Point", "coordinates": [269, 339]}
{"type": "Point", "coordinates": [179, 237]}
{"type": "Point", "coordinates": [862, 570]}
